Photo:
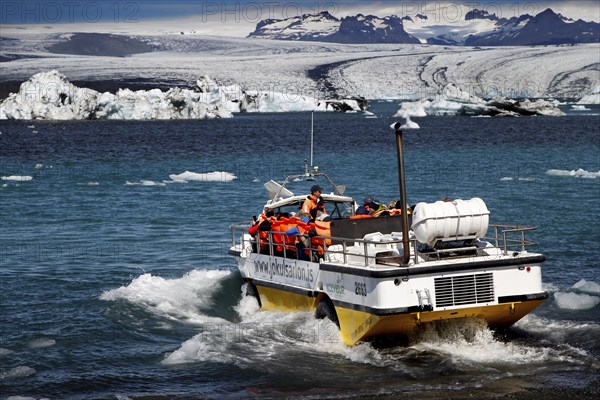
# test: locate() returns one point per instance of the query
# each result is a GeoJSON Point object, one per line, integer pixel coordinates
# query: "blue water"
{"type": "Point", "coordinates": [112, 289]}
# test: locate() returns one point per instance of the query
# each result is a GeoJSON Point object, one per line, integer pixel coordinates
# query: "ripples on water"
{"type": "Point", "coordinates": [109, 289]}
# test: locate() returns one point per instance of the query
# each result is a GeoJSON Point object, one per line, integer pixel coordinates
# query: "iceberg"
{"type": "Point", "coordinates": [452, 100]}
{"type": "Point", "coordinates": [592, 98]}
{"type": "Point", "coordinates": [49, 95]}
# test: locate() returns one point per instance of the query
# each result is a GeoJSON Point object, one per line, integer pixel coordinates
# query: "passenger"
{"type": "Point", "coordinates": [314, 202]}
{"type": "Point", "coordinates": [375, 208]}
{"type": "Point", "coordinates": [360, 213]}
{"type": "Point", "coordinates": [395, 208]}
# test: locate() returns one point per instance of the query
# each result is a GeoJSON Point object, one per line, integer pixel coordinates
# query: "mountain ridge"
{"type": "Point", "coordinates": [479, 28]}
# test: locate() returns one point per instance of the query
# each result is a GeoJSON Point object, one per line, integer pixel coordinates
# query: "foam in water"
{"type": "Point", "coordinates": [216, 176]}
{"type": "Point", "coordinates": [470, 340]}
{"type": "Point", "coordinates": [17, 372]}
{"type": "Point", "coordinates": [178, 299]}
{"type": "Point", "coordinates": [18, 178]}
{"type": "Point", "coordinates": [579, 173]}
{"type": "Point", "coordinates": [555, 329]}
{"type": "Point", "coordinates": [506, 178]}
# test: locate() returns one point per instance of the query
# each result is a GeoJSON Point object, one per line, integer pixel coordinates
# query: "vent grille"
{"type": "Point", "coordinates": [465, 289]}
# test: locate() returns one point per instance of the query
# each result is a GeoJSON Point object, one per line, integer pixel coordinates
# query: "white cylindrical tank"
{"type": "Point", "coordinates": [450, 220]}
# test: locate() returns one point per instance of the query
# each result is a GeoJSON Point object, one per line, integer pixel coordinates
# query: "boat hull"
{"type": "Point", "coordinates": [356, 325]}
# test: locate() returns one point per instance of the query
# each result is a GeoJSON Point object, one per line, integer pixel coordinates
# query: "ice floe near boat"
{"type": "Point", "coordinates": [452, 100]}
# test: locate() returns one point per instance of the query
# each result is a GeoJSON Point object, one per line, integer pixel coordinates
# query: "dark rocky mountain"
{"type": "Point", "coordinates": [324, 27]}
{"type": "Point", "coordinates": [545, 28]}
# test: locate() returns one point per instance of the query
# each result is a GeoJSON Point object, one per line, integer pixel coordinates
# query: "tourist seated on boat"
{"type": "Point", "coordinates": [360, 213]}
{"type": "Point", "coordinates": [262, 226]}
{"type": "Point", "coordinates": [375, 208]}
{"type": "Point", "coordinates": [395, 207]}
{"type": "Point", "coordinates": [314, 202]}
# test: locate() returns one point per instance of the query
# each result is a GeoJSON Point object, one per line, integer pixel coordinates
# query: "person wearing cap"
{"type": "Point", "coordinates": [314, 202]}
{"type": "Point", "coordinates": [374, 207]}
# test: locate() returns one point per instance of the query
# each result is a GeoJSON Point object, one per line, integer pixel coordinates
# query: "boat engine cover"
{"type": "Point", "coordinates": [450, 220]}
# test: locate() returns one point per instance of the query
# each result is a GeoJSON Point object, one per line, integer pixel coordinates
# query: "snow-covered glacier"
{"type": "Point", "coordinates": [315, 70]}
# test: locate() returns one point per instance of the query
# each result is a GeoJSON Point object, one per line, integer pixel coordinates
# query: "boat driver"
{"type": "Point", "coordinates": [314, 202]}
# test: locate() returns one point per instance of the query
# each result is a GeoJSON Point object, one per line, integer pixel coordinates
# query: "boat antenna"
{"type": "Point", "coordinates": [402, 180]}
{"type": "Point", "coordinates": [312, 135]}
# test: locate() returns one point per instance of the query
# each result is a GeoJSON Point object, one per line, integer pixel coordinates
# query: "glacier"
{"type": "Point", "coordinates": [49, 95]}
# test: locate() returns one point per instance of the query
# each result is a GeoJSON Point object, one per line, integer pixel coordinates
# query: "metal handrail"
{"type": "Point", "coordinates": [500, 238]}
{"type": "Point", "coordinates": [506, 243]}
{"type": "Point", "coordinates": [343, 241]}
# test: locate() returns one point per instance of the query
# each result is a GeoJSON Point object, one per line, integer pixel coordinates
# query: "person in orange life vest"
{"type": "Point", "coordinates": [314, 202]}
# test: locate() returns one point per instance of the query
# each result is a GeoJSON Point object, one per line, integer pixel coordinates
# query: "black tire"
{"type": "Point", "coordinates": [253, 292]}
{"type": "Point", "coordinates": [325, 309]}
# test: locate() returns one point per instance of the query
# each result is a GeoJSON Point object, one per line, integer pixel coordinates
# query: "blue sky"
{"type": "Point", "coordinates": [76, 11]}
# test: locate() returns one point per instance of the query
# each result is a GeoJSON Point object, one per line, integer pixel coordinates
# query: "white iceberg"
{"type": "Point", "coordinates": [592, 98]}
{"type": "Point", "coordinates": [452, 100]}
{"type": "Point", "coordinates": [216, 176]}
{"type": "Point", "coordinates": [49, 95]}
{"type": "Point", "coordinates": [579, 173]}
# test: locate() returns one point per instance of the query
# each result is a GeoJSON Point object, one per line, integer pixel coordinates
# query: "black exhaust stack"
{"type": "Point", "coordinates": [402, 178]}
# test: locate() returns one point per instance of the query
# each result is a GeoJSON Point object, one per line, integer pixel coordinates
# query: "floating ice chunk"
{"type": "Point", "coordinates": [38, 166]}
{"type": "Point", "coordinates": [579, 173]}
{"type": "Point", "coordinates": [588, 287]}
{"type": "Point", "coordinates": [4, 352]}
{"type": "Point", "coordinates": [215, 176]}
{"type": "Point", "coordinates": [409, 124]}
{"type": "Point", "coordinates": [580, 108]}
{"type": "Point", "coordinates": [506, 178]}
{"type": "Point", "coordinates": [20, 178]}
{"type": "Point", "coordinates": [41, 343]}
{"type": "Point", "coordinates": [17, 372]}
{"type": "Point", "coordinates": [575, 301]}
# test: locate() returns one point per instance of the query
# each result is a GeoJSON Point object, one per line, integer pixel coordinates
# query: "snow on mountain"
{"type": "Point", "coordinates": [481, 28]}
{"type": "Point", "coordinates": [306, 27]}
{"type": "Point", "coordinates": [324, 27]}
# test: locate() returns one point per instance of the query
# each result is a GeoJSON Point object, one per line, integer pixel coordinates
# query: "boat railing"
{"type": "Point", "coordinates": [316, 248]}
{"type": "Point", "coordinates": [511, 238]}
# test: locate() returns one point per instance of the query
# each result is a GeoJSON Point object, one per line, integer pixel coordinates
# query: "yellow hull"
{"type": "Point", "coordinates": [356, 326]}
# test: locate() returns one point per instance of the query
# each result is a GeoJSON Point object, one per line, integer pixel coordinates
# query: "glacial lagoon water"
{"type": "Point", "coordinates": [115, 282]}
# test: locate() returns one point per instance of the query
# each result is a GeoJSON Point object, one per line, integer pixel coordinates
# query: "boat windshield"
{"type": "Point", "coordinates": [336, 209]}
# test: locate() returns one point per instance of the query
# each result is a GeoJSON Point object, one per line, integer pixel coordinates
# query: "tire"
{"type": "Point", "coordinates": [325, 309]}
{"type": "Point", "coordinates": [253, 292]}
